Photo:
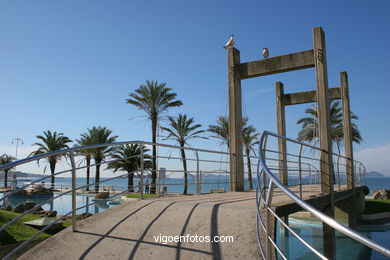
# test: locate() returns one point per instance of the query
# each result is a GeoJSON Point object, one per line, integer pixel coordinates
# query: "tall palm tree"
{"type": "Point", "coordinates": [154, 99]}
{"type": "Point", "coordinates": [221, 129]}
{"type": "Point", "coordinates": [249, 138]}
{"type": "Point", "coordinates": [100, 135]}
{"type": "Point", "coordinates": [182, 130]}
{"type": "Point", "coordinates": [127, 158]}
{"type": "Point", "coordinates": [310, 133]}
{"type": "Point", "coordinates": [51, 141]}
{"type": "Point", "coordinates": [86, 139]}
{"type": "Point", "coordinates": [4, 159]}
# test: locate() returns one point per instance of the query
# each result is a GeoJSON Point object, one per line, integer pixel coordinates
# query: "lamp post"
{"type": "Point", "coordinates": [17, 141]}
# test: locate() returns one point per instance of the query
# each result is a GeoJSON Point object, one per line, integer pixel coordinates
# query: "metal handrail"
{"type": "Point", "coordinates": [58, 173]}
{"type": "Point", "coordinates": [266, 202]}
{"type": "Point", "coordinates": [79, 148]}
{"type": "Point", "coordinates": [71, 153]}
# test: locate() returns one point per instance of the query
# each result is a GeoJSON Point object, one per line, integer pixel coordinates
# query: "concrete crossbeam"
{"type": "Point", "coordinates": [279, 64]}
{"type": "Point", "coordinates": [308, 97]}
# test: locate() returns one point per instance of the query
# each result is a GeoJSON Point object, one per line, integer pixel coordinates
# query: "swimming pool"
{"type": "Point", "coordinates": [63, 204]}
{"type": "Point", "coordinates": [346, 248]}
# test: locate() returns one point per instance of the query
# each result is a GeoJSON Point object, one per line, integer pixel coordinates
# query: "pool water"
{"type": "Point", "coordinates": [63, 204]}
{"type": "Point", "coordinates": [346, 248]}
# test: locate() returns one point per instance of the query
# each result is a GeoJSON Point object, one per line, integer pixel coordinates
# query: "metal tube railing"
{"type": "Point", "coordinates": [71, 156]}
{"type": "Point", "coordinates": [79, 148]}
{"type": "Point", "coordinates": [71, 153]}
{"type": "Point", "coordinates": [315, 212]}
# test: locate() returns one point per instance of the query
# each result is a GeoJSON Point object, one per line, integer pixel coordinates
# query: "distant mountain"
{"type": "Point", "coordinates": [374, 175]}
{"type": "Point", "coordinates": [22, 174]}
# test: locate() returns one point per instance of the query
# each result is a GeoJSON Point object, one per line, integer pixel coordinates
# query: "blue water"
{"type": "Point", "coordinates": [377, 183]}
{"type": "Point", "coordinates": [346, 248]}
{"type": "Point", "coordinates": [174, 185]}
{"type": "Point", "coordinates": [63, 204]}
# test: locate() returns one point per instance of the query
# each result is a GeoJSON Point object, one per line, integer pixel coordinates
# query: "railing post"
{"type": "Point", "coordinates": [198, 184]}
{"type": "Point", "coordinates": [141, 183]}
{"type": "Point", "coordinates": [338, 171]}
{"type": "Point", "coordinates": [264, 175]}
{"type": "Point", "coordinates": [300, 169]}
{"type": "Point", "coordinates": [269, 222]}
{"type": "Point", "coordinates": [73, 164]}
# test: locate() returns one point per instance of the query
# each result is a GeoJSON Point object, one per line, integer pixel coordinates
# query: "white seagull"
{"type": "Point", "coordinates": [265, 53]}
{"type": "Point", "coordinates": [230, 42]}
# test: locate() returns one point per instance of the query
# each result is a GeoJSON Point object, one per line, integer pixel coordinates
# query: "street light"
{"type": "Point", "coordinates": [17, 140]}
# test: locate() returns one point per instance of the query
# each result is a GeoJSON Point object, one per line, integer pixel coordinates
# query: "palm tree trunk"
{"type": "Point", "coordinates": [6, 178]}
{"type": "Point", "coordinates": [154, 158]}
{"type": "Point", "coordinates": [52, 169]}
{"type": "Point", "coordinates": [183, 157]}
{"type": "Point", "coordinates": [130, 182]}
{"type": "Point", "coordinates": [97, 176]}
{"type": "Point", "coordinates": [88, 159]}
{"type": "Point", "coordinates": [249, 168]}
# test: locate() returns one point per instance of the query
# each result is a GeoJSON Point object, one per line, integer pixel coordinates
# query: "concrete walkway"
{"type": "Point", "coordinates": [127, 231]}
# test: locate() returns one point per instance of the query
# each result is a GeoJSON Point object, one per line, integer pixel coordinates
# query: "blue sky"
{"type": "Point", "coordinates": [69, 65]}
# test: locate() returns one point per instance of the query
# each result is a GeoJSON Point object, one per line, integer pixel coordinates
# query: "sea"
{"type": "Point", "coordinates": [173, 186]}
{"type": "Point", "coordinates": [176, 185]}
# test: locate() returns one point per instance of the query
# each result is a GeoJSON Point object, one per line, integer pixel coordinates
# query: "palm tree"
{"type": "Point", "coordinates": [4, 159]}
{"type": "Point", "coordinates": [127, 158]}
{"type": "Point", "coordinates": [182, 130]}
{"type": "Point", "coordinates": [85, 140]}
{"type": "Point", "coordinates": [100, 135]}
{"type": "Point", "coordinates": [154, 99]}
{"type": "Point", "coordinates": [249, 138]}
{"type": "Point", "coordinates": [51, 141]}
{"type": "Point", "coordinates": [310, 132]}
{"type": "Point", "coordinates": [221, 129]}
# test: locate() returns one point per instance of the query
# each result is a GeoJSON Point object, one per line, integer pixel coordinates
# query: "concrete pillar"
{"type": "Point", "coordinates": [325, 141]}
{"type": "Point", "coordinates": [235, 122]}
{"type": "Point", "coordinates": [348, 142]}
{"type": "Point", "coordinates": [281, 125]}
{"type": "Point", "coordinates": [347, 129]}
{"type": "Point", "coordinates": [283, 173]}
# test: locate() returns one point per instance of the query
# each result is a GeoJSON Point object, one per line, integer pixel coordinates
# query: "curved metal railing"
{"type": "Point", "coordinates": [264, 196]}
{"type": "Point", "coordinates": [198, 161]}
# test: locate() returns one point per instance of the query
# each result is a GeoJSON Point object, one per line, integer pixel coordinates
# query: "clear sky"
{"type": "Point", "coordinates": [69, 65]}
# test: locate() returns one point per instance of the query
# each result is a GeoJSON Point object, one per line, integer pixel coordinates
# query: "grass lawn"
{"type": "Point", "coordinates": [377, 206]}
{"type": "Point", "coordinates": [137, 196]}
{"type": "Point", "coordinates": [19, 232]}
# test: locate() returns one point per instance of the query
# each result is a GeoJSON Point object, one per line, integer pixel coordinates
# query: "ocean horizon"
{"type": "Point", "coordinates": [176, 184]}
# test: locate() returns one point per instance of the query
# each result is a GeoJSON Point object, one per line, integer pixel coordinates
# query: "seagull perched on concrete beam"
{"type": "Point", "coordinates": [265, 53]}
{"type": "Point", "coordinates": [230, 42]}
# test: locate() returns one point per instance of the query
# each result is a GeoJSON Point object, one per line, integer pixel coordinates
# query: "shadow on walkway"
{"type": "Point", "coordinates": [89, 249]}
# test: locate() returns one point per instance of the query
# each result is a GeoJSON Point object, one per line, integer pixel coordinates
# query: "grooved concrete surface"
{"type": "Point", "coordinates": [127, 231]}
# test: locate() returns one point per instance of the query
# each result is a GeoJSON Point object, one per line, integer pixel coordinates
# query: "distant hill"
{"type": "Point", "coordinates": [374, 175]}
{"type": "Point", "coordinates": [22, 174]}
